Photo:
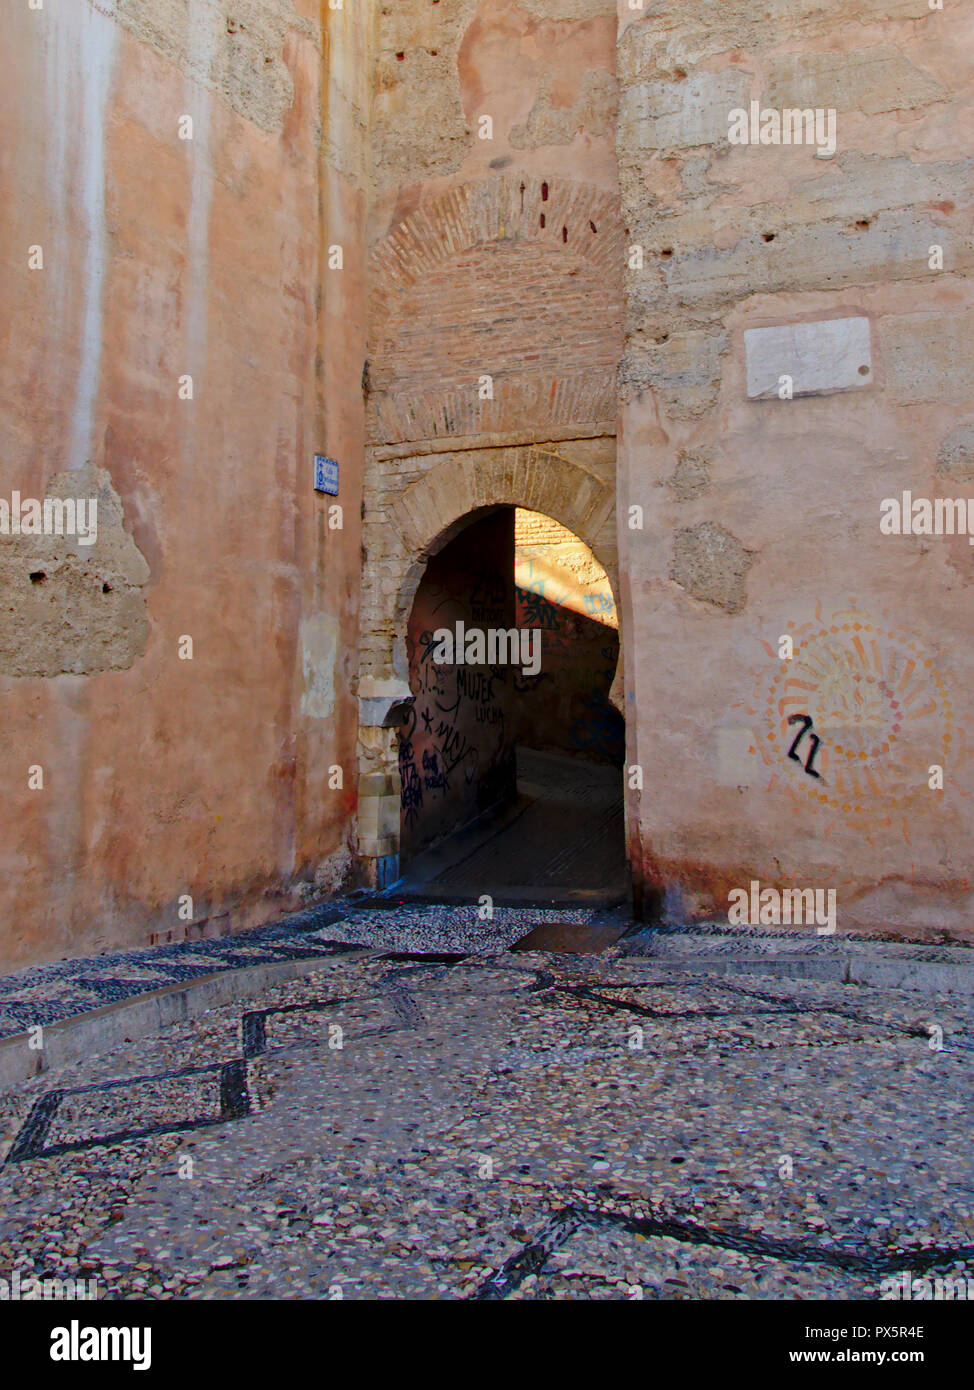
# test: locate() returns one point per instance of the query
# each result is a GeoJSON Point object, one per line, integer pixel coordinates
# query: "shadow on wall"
{"type": "Point", "coordinates": [565, 707]}
{"type": "Point", "coordinates": [508, 569]}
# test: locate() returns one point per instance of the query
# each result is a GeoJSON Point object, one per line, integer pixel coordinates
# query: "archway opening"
{"type": "Point", "coordinates": [512, 751]}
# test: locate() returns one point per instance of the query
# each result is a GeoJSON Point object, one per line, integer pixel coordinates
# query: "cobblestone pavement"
{"type": "Point", "coordinates": [47, 994]}
{"type": "Point", "coordinates": [506, 1125]}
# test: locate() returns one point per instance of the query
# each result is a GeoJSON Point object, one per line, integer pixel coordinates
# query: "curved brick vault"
{"type": "Point", "coordinates": [515, 277]}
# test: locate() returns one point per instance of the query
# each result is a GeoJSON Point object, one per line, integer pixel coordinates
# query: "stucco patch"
{"type": "Point", "coordinates": [735, 757]}
{"type": "Point", "coordinates": [929, 357]}
{"type": "Point", "coordinates": [593, 110]}
{"type": "Point", "coordinates": [319, 656]}
{"type": "Point", "coordinates": [711, 564]}
{"type": "Point", "coordinates": [71, 608]}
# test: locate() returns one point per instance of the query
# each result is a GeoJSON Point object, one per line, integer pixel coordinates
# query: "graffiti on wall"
{"type": "Point", "coordinates": [863, 707]}
{"type": "Point", "coordinates": [454, 751]}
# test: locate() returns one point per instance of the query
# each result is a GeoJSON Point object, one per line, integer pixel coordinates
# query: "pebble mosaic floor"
{"type": "Point", "coordinates": [484, 1125]}
{"type": "Point", "coordinates": [48, 994]}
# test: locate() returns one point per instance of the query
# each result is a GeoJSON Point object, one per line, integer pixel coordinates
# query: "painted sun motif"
{"type": "Point", "coordinates": [856, 719]}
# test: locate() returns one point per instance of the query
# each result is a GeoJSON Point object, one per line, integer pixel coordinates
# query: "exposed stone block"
{"type": "Point", "coordinates": [684, 371]}
{"type": "Point", "coordinates": [711, 564]}
{"type": "Point", "coordinates": [680, 115]}
{"type": "Point", "coordinates": [895, 246]}
{"type": "Point", "coordinates": [867, 79]}
{"type": "Point", "coordinates": [690, 478]}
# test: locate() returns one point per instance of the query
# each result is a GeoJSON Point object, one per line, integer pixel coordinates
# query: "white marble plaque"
{"type": "Point", "coordinates": [809, 359]}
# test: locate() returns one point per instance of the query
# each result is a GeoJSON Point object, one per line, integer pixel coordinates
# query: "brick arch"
{"type": "Point", "coordinates": [436, 508]}
{"type": "Point", "coordinates": [505, 208]}
{"type": "Point", "coordinates": [471, 283]}
{"type": "Point", "coordinates": [400, 536]}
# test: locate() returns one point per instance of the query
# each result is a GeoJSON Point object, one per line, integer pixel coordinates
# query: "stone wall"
{"type": "Point", "coordinates": [760, 460]}
{"type": "Point", "coordinates": [418, 238]}
{"type": "Point", "coordinates": [178, 351]}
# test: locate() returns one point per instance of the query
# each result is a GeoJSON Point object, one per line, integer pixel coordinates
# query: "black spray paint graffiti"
{"type": "Point", "coordinates": [428, 673]}
{"type": "Point", "coordinates": [477, 688]}
{"type": "Point", "coordinates": [411, 796]}
{"type": "Point", "coordinates": [806, 723]}
{"type": "Point", "coordinates": [434, 777]}
{"type": "Point", "coordinates": [536, 610]}
{"type": "Point", "coordinates": [488, 598]}
{"type": "Point", "coordinates": [454, 750]}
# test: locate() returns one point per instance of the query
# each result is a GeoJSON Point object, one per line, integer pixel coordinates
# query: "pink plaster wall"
{"type": "Point", "coordinates": [162, 257]}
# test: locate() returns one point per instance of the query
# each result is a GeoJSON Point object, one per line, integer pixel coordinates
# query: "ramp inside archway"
{"type": "Point", "coordinates": [561, 841]}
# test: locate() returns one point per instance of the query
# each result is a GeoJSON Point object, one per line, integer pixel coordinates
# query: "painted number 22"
{"type": "Point", "coordinates": [814, 739]}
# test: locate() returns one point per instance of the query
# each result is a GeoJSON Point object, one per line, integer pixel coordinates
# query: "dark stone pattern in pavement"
{"type": "Point", "coordinates": [65, 989]}
{"type": "Point", "coordinates": [507, 1126]}
{"type": "Point", "coordinates": [46, 994]}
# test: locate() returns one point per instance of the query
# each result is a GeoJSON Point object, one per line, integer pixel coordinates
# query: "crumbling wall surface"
{"type": "Point", "coordinates": [798, 353]}
{"type": "Point", "coordinates": [72, 602]}
{"type": "Point", "coordinates": [496, 246]}
{"type": "Point", "coordinates": [526, 64]}
{"type": "Point", "coordinates": [176, 694]}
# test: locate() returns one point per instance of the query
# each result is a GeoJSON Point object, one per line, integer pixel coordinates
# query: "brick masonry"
{"type": "Point", "coordinates": [516, 278]}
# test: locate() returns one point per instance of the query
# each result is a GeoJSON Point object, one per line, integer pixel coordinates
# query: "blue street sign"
{"type": "Point", "coordinates": [326, 475]}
